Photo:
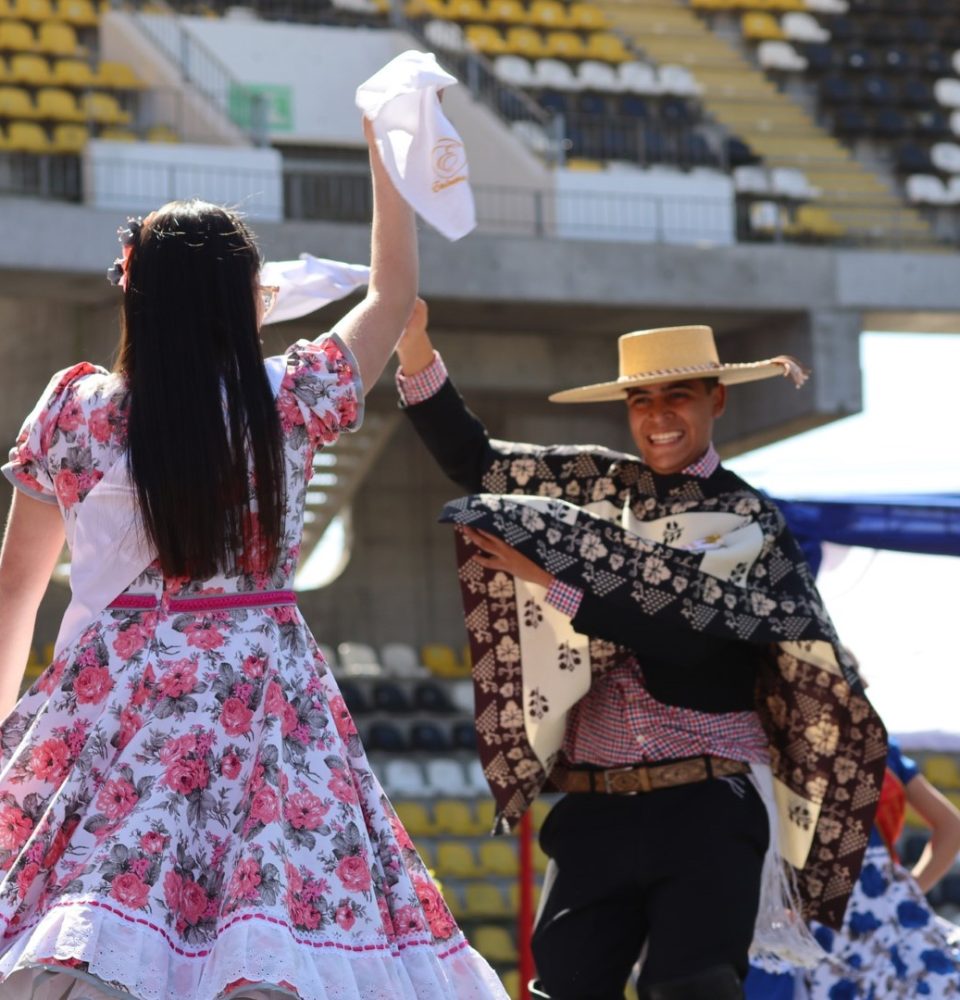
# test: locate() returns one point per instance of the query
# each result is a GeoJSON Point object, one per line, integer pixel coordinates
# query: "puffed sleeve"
{"type": "Point", "coordinates": [320, 391]}
{"type": "Point", "coordinates": [27, 467]}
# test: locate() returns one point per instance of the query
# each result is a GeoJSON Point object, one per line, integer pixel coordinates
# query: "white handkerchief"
{"type": "Point", "coordinates": [309, 283]}
{"type": "Point", "coordinates": [419, 147]}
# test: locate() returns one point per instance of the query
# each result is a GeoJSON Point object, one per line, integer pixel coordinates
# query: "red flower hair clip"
{"type": "Point", "coordinates": [128, 236]}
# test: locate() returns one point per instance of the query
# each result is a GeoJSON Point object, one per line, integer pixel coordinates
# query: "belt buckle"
{"type": "Point", "coordinates": [611, 774]}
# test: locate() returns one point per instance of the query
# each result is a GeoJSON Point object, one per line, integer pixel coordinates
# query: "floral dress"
{"type": "Point", "coordinates": [891, 945]}
{"type": "Point", "coordinates": [186, 810]}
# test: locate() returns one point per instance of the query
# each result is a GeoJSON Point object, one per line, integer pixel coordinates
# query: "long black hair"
{"type": "Point", "coordinates": [200, 406]}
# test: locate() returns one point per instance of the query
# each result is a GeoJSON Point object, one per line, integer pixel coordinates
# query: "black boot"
{"type": "Point", "coordinates": [719, 983]}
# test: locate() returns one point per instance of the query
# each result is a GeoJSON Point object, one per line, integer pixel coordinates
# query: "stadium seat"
{"type": "Point", "coordinates": [58, 104]}
{"type": "Point", "coordinates": [586, 17]}
{"type": "Point", "coordinates": [328, 654]}
{"type": "Point", "coordinates": [812, 222]}
{"type": "Point", "coordinates": [471, 11]}
{"type": "Point", "coordinates": [639, 78]}
{"type": "Point", "coordinates": [27, 137]}
{"type": "Point", "coordinates": [878, 91]}
{"type": "Point", "coordinates": [357, 659]}
{"type": "Point", "coordinates": [632, 106]}
{"type": "Point", "coordinates": [558, 76]}
{"type": "Point", "coordinates": [118, 76]}
{"type": "Point", "coordinates": [554, 100]}
{"type": "Point", "coordinates": [947, 92]}
{"type": "Point", "coordinates": [72, 73]}
{"type": "Point", "coordinates": [758, 26]}
{"type": "Point", "coordinates": [524, 41]}
{"type": "Point", "coordinates": [513, 895]}
{"type": "Point", "coordinates": [678, 81]}
{"type": "Point", "coordinates": [607, 47]}
{"type": "Point", "coordinates": [498, 857]}
{"type": "Point", "coordinates": [494, 943]}
{"type": "Point", "coordinates": [819, 57]}
{"type": "Point", "coordinates": [514, 70]}
{"type": "Point", "coordinates": [890, 123]}
{"type": "Point", "coordinates": [946, 158]}
{"type": "Point", "coordinates": [912, 158]}
{"type": "Point", "coordinates": [563, 45]}
{"type": "Point", "coordinates": [405, 778]}
{"type": "Point", "coordinates": [791, 183]}
{"type": "Point", "coordinates": [391, 698]}
{"type": "Point", "coordinates": [932, 123]}
{"type": "Point", "coordinates": [464, 736]}
{"type": "Point", "coordinates": [444, 35]}
{"type": "Point", "coordinates": [162, 133]}
{"type": "Point", "coordinates": [439, 659]}
{"type": "Point", "coordinates": [446, 777]}
{"type": "Point", "coordinates": [33, 10]}
{"type": "Point", "coordinates": [485, 812]}
{"type": "Point", "coordinates": [534, 136]}
{"type": "Point", "coordinates": [953, 193]}
{"type": "Point", "coordinates": [461, 694]}
{"type": "Point", "coordinates": [430, 696]}
{"type": "Point", "coordinates": [598, 76]}
{"type": "Point", "coordinates": [399, 659]}
{"type": "Point", "coordinates": [29, 69]}
{"type": "Point", "coordinates": [799, 26]}
{"type": "Point", "coordinates": [482, 899]}
{"type": "Point", "coordinates": [81, 13]}
{"type": "Point", "coordinates": [103, 108]}
{"type": "Point", "coordinates": [476, 779]}
{"type": "Point", "coordinates": [415, 819]}
{"type": "Point", "coordinates": [511, 982]}
{"type": "Point", "coordinates": [941, 771]}
{"type": "Point", "coordinates": [538, 812]}
{"type": "Point", "coordinates": [455, 817]}
{"type": "Point", "coordinates": [751, 180]}
{"type": "Point", "coordinates": [430, 738]}
{"type": "Point", "coordinates": [15, 102]}
{"type": "Point", "coordinates": [385, 736]}
{"type": "Point", "coordinates": [456, 859]}
{"type": "Point", "coordinates": [548, 14]}
{"type": "Point", "coordinates": [780, 57]}
{"type": "Point", "coordinates": [57, 39]}
{"type": "Point", "coordinates": [849, 121]}
{"type": "Point", "coordinates": [837, 90]}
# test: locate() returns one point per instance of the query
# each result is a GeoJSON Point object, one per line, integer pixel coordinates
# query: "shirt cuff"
{"type": "Point", "coordinates": [418, 388]}
{"type": "Point", "coordinates": [564, 598]}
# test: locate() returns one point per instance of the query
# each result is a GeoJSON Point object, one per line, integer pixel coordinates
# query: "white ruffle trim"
{"type": "Point", "coordinates": [132, 952]}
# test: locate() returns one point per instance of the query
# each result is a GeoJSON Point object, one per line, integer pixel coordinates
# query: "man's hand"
{"type": "Point", "coordinates": [497, 555]}
{"type": "Point", "coordinates": [415, 351]}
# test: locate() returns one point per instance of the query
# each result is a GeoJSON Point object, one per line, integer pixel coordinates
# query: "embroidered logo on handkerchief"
{"type": "Point", "coordinates": [449, 163]}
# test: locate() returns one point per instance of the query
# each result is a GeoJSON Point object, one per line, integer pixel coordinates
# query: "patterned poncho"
{"type": "Point", "coordinates": [711, 555]}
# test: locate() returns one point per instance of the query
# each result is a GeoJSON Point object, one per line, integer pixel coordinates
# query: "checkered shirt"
{"type": "Point", "coordinates": [618, 721]}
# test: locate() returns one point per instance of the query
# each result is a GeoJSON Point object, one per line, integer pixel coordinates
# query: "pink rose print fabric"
{"type": "Point", "coordinates": [186, 809]}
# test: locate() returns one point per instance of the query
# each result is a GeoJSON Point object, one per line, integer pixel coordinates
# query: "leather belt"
{"type": "Point", "coordinates": [637, 778]}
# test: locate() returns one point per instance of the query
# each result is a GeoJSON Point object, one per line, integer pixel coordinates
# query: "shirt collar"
{"type": "Point", "coordinates": [705, 466]}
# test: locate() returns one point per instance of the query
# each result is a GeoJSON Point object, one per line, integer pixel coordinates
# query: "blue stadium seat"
{"type": "Point", "coordinates": [889, 122]}
{"type": "Point", "coordinates": [849, 121]}
{"type": "Point", "coordinates": [878, 91]}
{"type": "Point", "coordinates": [819, 56]}
{"type": "Point", "coordinates": [932, 123]}
{"type": "Point", "coordinates": [912, 158]}
{"type": "Point", "coordinates": [836, 90]}
{"type": "Point", "coordinates": [385, 736]}
{"type": "Point", "coordinates": [936, 63]}
{"type": "Point", "coordinates": [354, 697]}
{"type": "Point", "coordinates": [860, 59]}
{"type": "Point", "coordinates": [429, 737]}
{"type": "Point", "coordinates": [390, 697]}
{"type": "Point", "coordinates": [632, 106]}
{"type": "Point", "coordinates": [916, 93]}
{"type": "Point", "coordinates": [464, 736]}
{"type": "Point", "coordinates": [918, 31]}
{"type": "Point", "coordinates": [428, 696]}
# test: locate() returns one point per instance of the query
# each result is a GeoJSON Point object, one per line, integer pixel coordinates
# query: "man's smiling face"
{"type": "Point", "coordinates": [672, 422]}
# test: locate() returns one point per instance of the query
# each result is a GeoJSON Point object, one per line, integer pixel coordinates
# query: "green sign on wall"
{"type": "Point", "coordinates": [279, 102]}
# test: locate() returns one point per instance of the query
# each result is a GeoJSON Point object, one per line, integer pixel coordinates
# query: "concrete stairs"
{"type": "Point", "coordinates": [740, 97]}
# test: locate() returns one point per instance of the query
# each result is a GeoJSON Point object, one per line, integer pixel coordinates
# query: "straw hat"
{"type": "Point", "coordinates": [674, 353]}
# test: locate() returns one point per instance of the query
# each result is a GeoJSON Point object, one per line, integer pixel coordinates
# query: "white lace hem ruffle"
{"type": "Point", "coordinates": [132, 951]}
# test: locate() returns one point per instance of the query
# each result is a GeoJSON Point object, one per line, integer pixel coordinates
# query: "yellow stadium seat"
{"type": "Point", "coordinates": [415, 9]}
{"type": "Point", "coordinates": [483, 899]}
{"type": "Point", "coordinates": [33, 10]}
{"type": "Point", "coordinates": [454, 816]}
{"type": "Point", "coordinates": [17, 36]}
{"type": "Point", "coordinates": [15, 102]}
{"type": "Point", "coordinates": [758, 26]}
{"type": "Point", "coordinates": [548, 14]}
{"type": "Point", "coordinates": [54, 38]}
{"type": "Point", "coordinates": [814, 222]}
{"type": "Point", "coordinates": [514, 896]}
{"type": "Point", "coordinates": [161, 133]}
{"type": "Point", "coordinates": [511, 983]}
{"type": "Point", "coordinates": [488, 41]}
{"type": "Point", "coordinates": [456, 859]}
{"type": "Point", "coordinates": [540, 860]}
{"type": "Point", "coordinates": [564, 45]}
{"type": "Point", "coordinates": [81, 13]}
{"type": "Point", "coordinates": [941, 771]}
{"type": "Point", "coordinates": [118, 135]}
{"type": "Point", "coordinates": [709, 6]}
{"type": "Point", "coordinates": [427, 857]}
{"type": "Point", "coordinates": [495, 944]}
{"type": "Point", "coordinates": [538, 812]}
{"type": "Point", "coordinates": [29, 69]}
{"type": "Point", "coordinates": [453, 897]}
{"type": "Point", "coordinates": [27, 137]}
{"type": "Point", "coordinates": [507, 12]}
{"type": "Point", "coordinates": [118, 76]}
{"type": "Point", "coordinates": [498, 857]}
{"type": "Point", "coordinates": [58, 104]}
{"type": "Point", "coordinates": [441, 660]}
{"type": "Point", "coordinates": [485, 811]}
{"type": "Point", "coordinates": [583, 165]}
{"type": "Point", "coordinates": [103, 108]}
{"type": "Point", "coordinates": [72, 73]}
{"type": "Point", "coordinates": [607, 47]}
{"type": "Point", "coordinates": [414, 817]}
{"type": "Point", "coordinates": [526, 42]}
{"type": "Point", "coordinates": [3, 70]}
{"type": "Point", "coordinates": [587, 17]}
{"type": "Point", "coordinates": [466, 10]}
{"type": "Point", "coordinates": [69, 138]}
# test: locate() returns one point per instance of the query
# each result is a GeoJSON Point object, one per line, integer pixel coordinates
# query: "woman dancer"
{"type": "Point", "coordinates": [186, 811]}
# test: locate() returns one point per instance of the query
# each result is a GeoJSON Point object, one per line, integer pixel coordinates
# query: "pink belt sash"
{"type": "Point", "coordinates": [209, 602]}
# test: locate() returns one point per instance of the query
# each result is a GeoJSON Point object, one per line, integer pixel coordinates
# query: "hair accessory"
{"type": "Point", "coordinates": [128, 236]}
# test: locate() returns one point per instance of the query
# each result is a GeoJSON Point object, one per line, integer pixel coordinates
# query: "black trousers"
{"type": "Point", "coordinates": [677, 869]}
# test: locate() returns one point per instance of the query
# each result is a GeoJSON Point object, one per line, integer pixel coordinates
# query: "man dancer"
{"type": "Point", "coordinates": [666, 631]}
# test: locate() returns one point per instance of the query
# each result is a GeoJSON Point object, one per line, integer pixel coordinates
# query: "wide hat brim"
{"type": "Point", "coordinates": [729, 374]}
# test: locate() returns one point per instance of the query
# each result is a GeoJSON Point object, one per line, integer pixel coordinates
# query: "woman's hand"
{"type": "Point", "coordinates": [495, 554]}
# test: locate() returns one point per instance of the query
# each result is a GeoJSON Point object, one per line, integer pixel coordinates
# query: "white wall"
{"type": "Point", "coordinates": [137, 177]}
{"type": "Point", "coordinates": [645, 206]}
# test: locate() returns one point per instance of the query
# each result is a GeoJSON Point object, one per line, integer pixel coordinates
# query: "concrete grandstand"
{"type": "Point", "coordinates": [655, 165]}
